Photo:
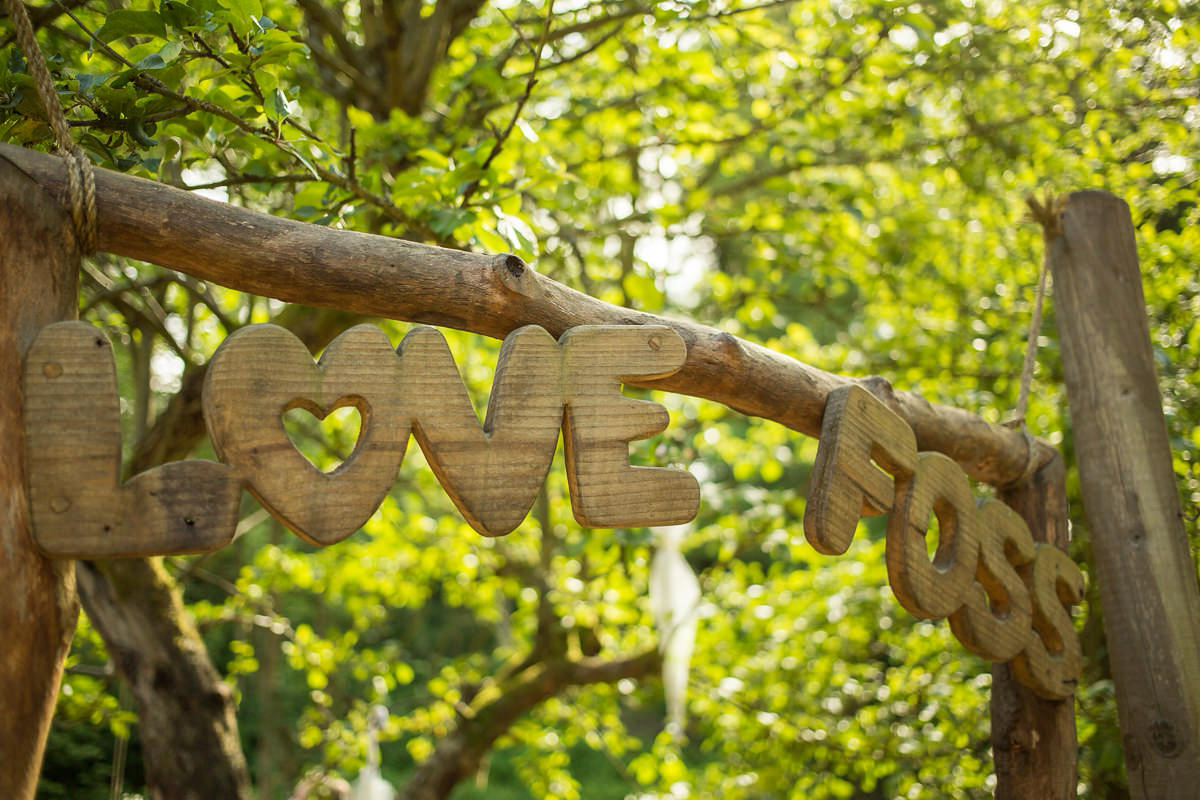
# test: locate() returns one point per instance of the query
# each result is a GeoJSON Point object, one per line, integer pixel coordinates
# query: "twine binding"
{"type": "Point", "coordinates": [1047, 213]}
{"type": "Point", "coordinates": [81, 177]}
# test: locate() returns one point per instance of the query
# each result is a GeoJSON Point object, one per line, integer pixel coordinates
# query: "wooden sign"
{"type": "Point", "coordinates": [491, 472]}
{"type": "Point", "coordinates": [1005, 597]}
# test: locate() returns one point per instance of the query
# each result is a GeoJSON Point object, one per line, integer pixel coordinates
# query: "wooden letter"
{"type": "Point", "coordinates": [845, 485]}
{"type": "Point", "coordinates": [73, 445]}
{"type": "Point", "coordinates": [606, 492]}
{"type": "Point", "coordinates": [932, 590]}
{"type": "Point", "coordinates": [1052, 660]}
{"type": "Point", "coordinates": [994, 621]}
{"type": "Point", "coordinates": [492, 474]}
{"type": "Point", "coordinates": [261, 372]}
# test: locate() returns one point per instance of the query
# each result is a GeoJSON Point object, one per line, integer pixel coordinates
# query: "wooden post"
{"type": "Point", "coordinates": [1034, 740]}
{"type": "Point", "coordinates": [39, 265]}
{"type": "Point", "coordinates": [1146, 577]}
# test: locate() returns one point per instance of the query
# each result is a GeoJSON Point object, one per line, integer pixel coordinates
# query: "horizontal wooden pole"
{"type": "Point", "coordinates": [492, 295]}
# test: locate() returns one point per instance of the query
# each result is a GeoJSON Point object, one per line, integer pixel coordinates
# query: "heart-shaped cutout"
{"type": "Point", "coordinates": [262, 371]}
{"type": "Point", "coordinates": [327, 440]}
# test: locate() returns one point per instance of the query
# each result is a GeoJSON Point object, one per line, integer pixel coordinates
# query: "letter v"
{"type": "Point", "coordinates": [491, 473]}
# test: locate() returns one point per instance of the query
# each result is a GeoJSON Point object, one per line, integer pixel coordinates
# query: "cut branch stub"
{"type": "Point", "coordinates": [73, 447]}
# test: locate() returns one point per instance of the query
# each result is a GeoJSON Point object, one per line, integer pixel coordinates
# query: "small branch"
{"type": "Point", "coordinates": [516, 117]}
{"type": "Point", "coordinates": [498, 706]}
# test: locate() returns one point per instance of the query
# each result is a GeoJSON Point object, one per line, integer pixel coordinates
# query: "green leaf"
{"type": "Point", "coordinates": [180, 15]}
{"type": "Point", "coordinates": [277, 106]}
{"type": "Point", "coordinates": [163, 57]}
{"type": "Point", "coordinates": [125, 22]}
{"type": "Point", "coordinates": [248, 10]}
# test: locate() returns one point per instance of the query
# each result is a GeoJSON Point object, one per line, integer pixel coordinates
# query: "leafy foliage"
{"type": "Point", "coordinates": [838, 181]}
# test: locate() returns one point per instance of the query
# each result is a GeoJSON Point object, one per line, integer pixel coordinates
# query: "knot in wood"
{"type": "Point", "coordinates": [1164, 738]}
{"type": "Point", "coordinates": [514, 265]}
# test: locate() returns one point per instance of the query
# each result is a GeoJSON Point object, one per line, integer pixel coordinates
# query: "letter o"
{"type": "Point", "coordinates": [933, 589]}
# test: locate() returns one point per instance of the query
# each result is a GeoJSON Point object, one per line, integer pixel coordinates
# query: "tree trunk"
{"type": "Point", "coordinates": [1033, 740]}
{"type": "Point", "coordinates": [185, 712]}
{"type": "Point", "coordinates": [39, 266]}
{"type": "Point", "coordinates": [1144, 569]}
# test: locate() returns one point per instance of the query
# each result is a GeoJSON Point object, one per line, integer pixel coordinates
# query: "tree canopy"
{"type": "Point", "coordinates": [841, 182]}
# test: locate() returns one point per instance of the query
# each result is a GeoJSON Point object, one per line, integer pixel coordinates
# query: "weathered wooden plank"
{"type": "Point", "coordinates": [1146, 576]}
{"type": "Point", "coordinates": [39, 262]}
{"type": "Point", "coordinates": [491, 295]}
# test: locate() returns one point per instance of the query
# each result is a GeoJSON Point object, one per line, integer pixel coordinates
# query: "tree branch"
{"type": "Point", "coordinates": [491, 295]}
{"type": "Point", "coordinates": [498, 706]}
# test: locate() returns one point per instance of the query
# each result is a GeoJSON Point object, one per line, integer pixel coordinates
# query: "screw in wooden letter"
{"type": "Point", "coordinates": [606, 492]}
{"type": "Point", "coordinates": [73, 451]}
{"type": "Point", "coordinates": [263, 371]}
{"type": "Point", "coordinates": [855, 430]}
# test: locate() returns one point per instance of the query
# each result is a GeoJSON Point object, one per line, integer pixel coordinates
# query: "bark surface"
{"type": "Point", "coordinates": [39, 265]}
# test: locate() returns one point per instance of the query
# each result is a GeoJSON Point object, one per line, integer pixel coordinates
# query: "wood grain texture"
{"type": "Point", "coordinates": [606, 492]}
{"type": "Point", "coordinates": [73, 445]}
{"type": "Point", "coordinates": [933, 589]}
{"type": "Point", "coordinates": [857, 430]}
{"type": "Point", "coordinates": [1033, 739]}
{"type": "Point", "coordinates": [39, 263]}
{"type": "Point", "coordinates": [1052, 661]}
{"type": "Point", "coordinates": [492, 473]}
{"type": "Point", "coordinates": [1146, 576]}
{"type": "Point", "coordinates": [491, 295]}
{"type": "Point", "coordinates": [997, 610]}
{"type": "Point", "coordinates": [261, 372]}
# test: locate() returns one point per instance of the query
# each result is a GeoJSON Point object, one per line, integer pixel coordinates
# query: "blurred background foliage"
{"type": "Point", "coordinates": [840, 181]}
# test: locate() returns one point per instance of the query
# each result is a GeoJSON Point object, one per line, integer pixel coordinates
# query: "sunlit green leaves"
{"type": "Point", "coordinates": [842, 182]}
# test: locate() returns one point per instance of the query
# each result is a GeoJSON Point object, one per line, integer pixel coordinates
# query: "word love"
{"type": "Point", "coordinates": [1007, 598]}
{"type": "Point", "coordinates": [492, 472]}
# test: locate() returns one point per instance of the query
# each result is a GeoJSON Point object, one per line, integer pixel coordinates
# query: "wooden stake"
{"type": "Point", "coordinates": [1033, 740]}
{"type": "Point", "coordinates": [1146, 576]}
{"type": "Point", "coordinates": [39, 264]}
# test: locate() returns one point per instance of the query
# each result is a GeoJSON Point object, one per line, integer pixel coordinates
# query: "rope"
{"type": "Point", "coordinates": [1031, 348]}
{"type": "Point", "coordinates": [1047, 214]}
{"type": "Point", "coordinates": [81, 179]}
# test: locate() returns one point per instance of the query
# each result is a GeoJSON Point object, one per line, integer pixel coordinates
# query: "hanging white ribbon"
{"type": "Point", "coordinates": [675, 603]}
